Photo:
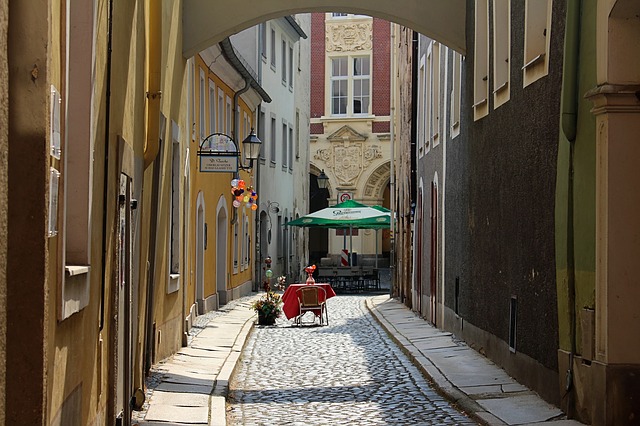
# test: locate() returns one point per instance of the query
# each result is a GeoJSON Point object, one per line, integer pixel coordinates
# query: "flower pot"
{"type": "Point", "coordinates": [310, 279]}
{"type": "Point", "coordinates": [265, 320]}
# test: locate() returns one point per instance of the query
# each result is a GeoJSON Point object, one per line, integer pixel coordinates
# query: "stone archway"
{"type": "Point", "coordinates": [206, 23]}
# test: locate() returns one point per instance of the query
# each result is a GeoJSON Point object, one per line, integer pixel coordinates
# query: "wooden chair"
{"type": "Point", "coordinates": [312, 298]}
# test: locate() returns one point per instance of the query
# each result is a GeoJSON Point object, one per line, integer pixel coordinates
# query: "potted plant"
{"type": "Point", "coordinates": [268, 308]}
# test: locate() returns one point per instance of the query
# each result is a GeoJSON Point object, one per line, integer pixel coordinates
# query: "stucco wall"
{"type": "Point", "coordinates": [4, 126]}
{"type": "Point", "coordinates": [501, 175]}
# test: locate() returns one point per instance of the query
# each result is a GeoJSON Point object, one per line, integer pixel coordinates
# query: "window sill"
{"type": "Point", "coordinates": [174, 283]}
{"type": "Point", "coordinates": [74, 270]}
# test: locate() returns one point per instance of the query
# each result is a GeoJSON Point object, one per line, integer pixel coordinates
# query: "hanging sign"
{"type": "Point", "coordinates": [219, 163]}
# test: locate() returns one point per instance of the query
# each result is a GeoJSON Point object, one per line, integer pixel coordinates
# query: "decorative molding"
{"type": "Point", "coordinates": [346, 132]}
{"type": "Point", "coordinates": [375, 184]}
{"type": "Point", "coordinates": [349, 37]}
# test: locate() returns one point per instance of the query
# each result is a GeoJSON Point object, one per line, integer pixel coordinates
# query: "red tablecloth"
{"type": "Point", "coordinates": [290, 305]}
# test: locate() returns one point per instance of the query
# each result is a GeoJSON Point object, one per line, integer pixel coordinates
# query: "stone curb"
{"type": "Point", "coordinates": [218, 397]}
{"type": "Point", "coordinates": [433, 374]}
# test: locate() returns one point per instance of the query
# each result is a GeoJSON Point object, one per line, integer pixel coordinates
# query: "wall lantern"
{"type": "Point", "coordinates": [323, 180]}
{"type": "Point", "coordinates": [219, 153]}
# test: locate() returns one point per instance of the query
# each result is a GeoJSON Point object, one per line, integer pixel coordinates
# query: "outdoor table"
{"type": "Point", "coordinates": [290, 305]}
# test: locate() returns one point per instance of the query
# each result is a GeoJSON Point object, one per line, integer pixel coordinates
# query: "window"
{"type": "Point", "coordinates": [537, 35]}
{"type": "Point", "coordinates": [427, 96]}
{"type": "Point", "coordinates": [273, 139]}
{"type": "Point", "coordinates": [72, 111]}
{"type": "Point", "coordinates": [338, 15]}
{"type": "Point", "coordinates": [280, 237]}
{"type": "Point", "coordinates": [361, 77]}
{"type": "Point", "coordinates": [235, 247]}
{"type": "Point", "coordinates": [173, 283]}
{"type": "Point", "coordinates": [243, 253]}
{"type": "Point", "coordinates": [228, 128]}
{"type": "Point", "coordinates": [212, 108]}
{"type": "Point", "coordinates": [421, 106]}
{"type": "Point", "coordinates": [501, 51]}
{"type": "Point", "coordinates": [434, 117]}
{"type": "Point", "coordinates": [297, 134]}
{"type": "Point", "coordinates": [291, 67]}
{"type": "Point", "coordinates": [202, 104]}
{"type": "Point", "coordinates": [284, 62]}
{"type": "Point", "coordinates": [273, 49]}
{"type": "Point", "coordinates": [290, 148]}
{"type": "Point", "coordinates": [285, 149]}
{"type": "Point", "coordinates": [339, 90]}
{"type": "Point", "coordinates": [350, 85]}
{"type": "Point", "coordinates": [261, 132]}
{"type": "Point", "coordinates": [220, 110]}
{"type": "Point", "coordinates": [455, 94]}
{"type": "Point", "coordinates": [513, 322]}
{"type": "Point", "coordinates": [247, 243]}
{"type": "Point", "coordinates": [481, 61]}
{"type": "Point", "coordinates": [263, 41]}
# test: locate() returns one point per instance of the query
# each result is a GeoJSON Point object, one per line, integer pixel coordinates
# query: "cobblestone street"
{"type": "Point", "coordinates": [349, 372]}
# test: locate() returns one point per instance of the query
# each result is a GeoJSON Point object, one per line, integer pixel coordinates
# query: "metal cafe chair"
{"type": "Point", "coordinates": [312, 298]}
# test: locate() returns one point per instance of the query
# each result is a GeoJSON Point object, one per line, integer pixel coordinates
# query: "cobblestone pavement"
{"type": "Point", "coordinates": [349, 372]}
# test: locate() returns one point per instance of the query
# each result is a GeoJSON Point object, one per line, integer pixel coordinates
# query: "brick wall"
{"type": "Point", "coordinates": [381, 67]}
{"type": "Point", "coordinates": [317, 69]}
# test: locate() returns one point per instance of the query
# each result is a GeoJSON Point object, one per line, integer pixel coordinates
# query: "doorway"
{"type": "Point", "coordinates": [433, 288]}
{"type": "Point", "coordinates": [200, 248]}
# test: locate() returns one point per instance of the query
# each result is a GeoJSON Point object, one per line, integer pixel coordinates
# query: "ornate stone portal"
{"type": "Point", "coordinates": [348, 156]}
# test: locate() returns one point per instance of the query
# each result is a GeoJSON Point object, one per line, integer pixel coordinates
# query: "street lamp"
{"type": "Point", "coordinates": [251, 147]}
{"type": "Point", "coordinates": [219, 153]}
{"type": "Point", "coordinates": [323, 180]}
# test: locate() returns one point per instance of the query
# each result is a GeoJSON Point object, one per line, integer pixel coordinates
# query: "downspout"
{"type": "Point", "coordinates": [105, 183]}
{"type": "Point", "coordinates": [236, 113]}
{"type": "Point", "coordinates": [151, 150]}
{"type": "Point", "coordinates": [569, 120]}
{"type": "Point", "coordinates": [392, 183]}
{"type": "Point", "coordinates": [153, 80]}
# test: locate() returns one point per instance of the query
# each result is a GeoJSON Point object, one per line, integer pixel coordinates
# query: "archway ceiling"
{"type": "Point", "coordinates": [206, 22]}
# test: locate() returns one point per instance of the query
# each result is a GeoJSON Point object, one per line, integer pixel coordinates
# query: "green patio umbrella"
{"type": "Point", "coordinates": [348, 214]}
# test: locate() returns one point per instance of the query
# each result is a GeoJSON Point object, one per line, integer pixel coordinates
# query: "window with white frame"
{"type": "Point", "coordinates": [243, 246]}
{"type": "Point", "coordinates": [339, 15]}
{"type": "Point", "coordinates": [261, 133]}
{"type": "Point", "coordinates": [220, 110]}
{"type": "Point", "coordinates": [174, 221]}
{"type": "Point", "coordinates": [501, 51]}
{"type": "Point", "coordinates": [421, 105]}
{"type": "Point", "coordinates": [481, 61]}
{"type": "Point", "coordinates": [202, 104]}
{"type": "Point", "coordinates": [537, 37]}
{"type": "Point", "coordinates": [297, 134]}
{"type": "Point", "coordinates": [428, 104]}
{"type": "Point", "coordinates": [434, 117]}
{"type": "Point", "coordinates": [71, 120]}
{"type": "Point", "coordinates": [228, 129]}
{"type": "Point", "coordinates": [350, 85]}
{"type": "Point", "coordinates": [290, 148]}
{"type": "Point", "coordinates": [455, 94]}
{"type": "Point", "coordinates": [284, 62]}
{"type": "Point", "coordinates": [285, 149]}
{"type": "Point", "coordinates": [273, 49]}
{"type": "Point", "coordinates": [272, 155]}
{"type": "Point", "coordinates": [236, 246]}
{"type": "Point", "coordinates": [212, 107]}
{"type": "Point", "coordinates": [291, 67]}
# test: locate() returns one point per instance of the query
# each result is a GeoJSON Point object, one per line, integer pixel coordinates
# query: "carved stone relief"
{"type": "Point", "coordinates": [349, 37]}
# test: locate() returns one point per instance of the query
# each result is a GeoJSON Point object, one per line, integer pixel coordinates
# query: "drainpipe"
{"type": "Point", "coordinates": [236, 132]}
{"type": "Point", "coordinates": [153, 80]}
{"type": "Point", "coordinates": [392, 183]}
{"type": "Point", "coordinates": [151, 150]}
{"type": "Point", "coordinates": [105, 182]}
{"type": "Point", "coordinates": [569, 118]}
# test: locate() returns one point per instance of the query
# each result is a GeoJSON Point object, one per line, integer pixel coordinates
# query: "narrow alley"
{"type": "Point", "coordinates": [350, 372]}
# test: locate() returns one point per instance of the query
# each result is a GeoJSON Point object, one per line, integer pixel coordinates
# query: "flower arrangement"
{"type": "Point", "coordinates": [268, 308]}
{"type": "Point", "coordinates": [281, 282]}
{"type": "Point", "coordinates": [310, 270]}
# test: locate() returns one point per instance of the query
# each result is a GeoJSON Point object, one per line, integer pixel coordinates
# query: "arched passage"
{"type": "Point", "coordinates": [221, 250]}
{"type": "Point", "coordinates": [206, 23]}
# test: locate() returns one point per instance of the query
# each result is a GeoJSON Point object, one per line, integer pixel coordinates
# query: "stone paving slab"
{"type": "Point", "coordinates": [518, 410]}
{"type": "Point", "coordinates": [172, 413]}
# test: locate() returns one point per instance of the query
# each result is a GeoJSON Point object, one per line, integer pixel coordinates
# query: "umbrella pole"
{"type": "Point", "coordinates": [350, 246]}
{"type": "Point", "coordinates": [376, 249]}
